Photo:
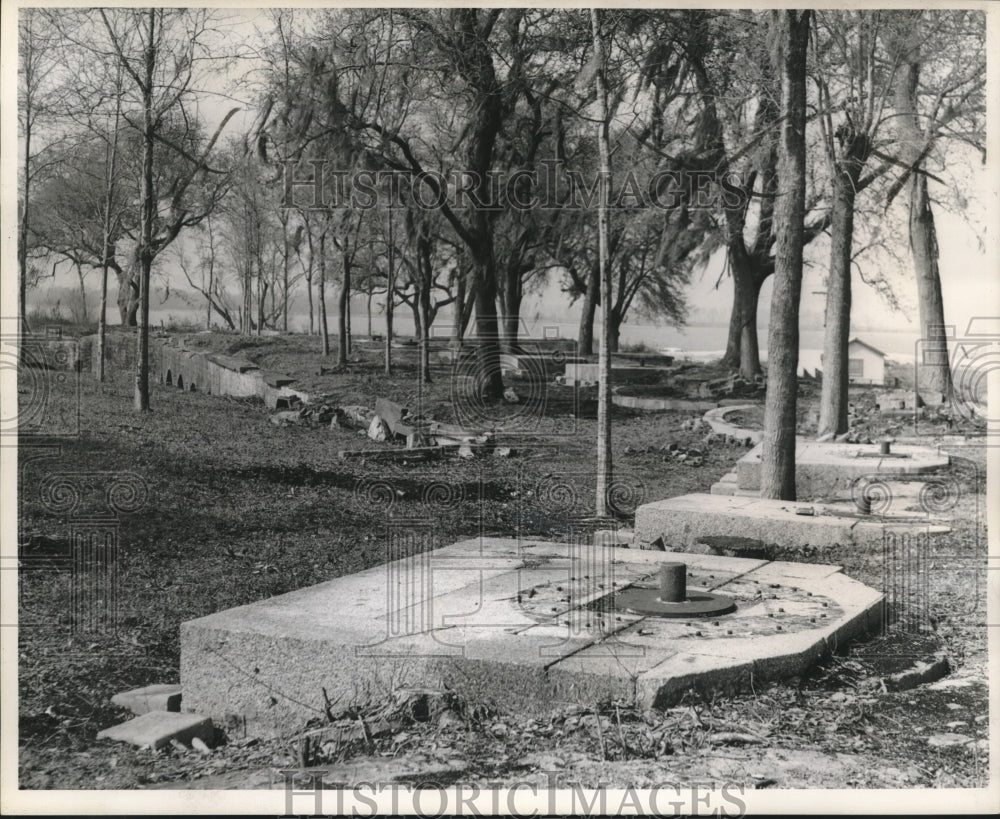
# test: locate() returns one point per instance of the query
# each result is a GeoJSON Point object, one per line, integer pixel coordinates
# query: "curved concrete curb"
{"type": "Point", "coordinates": [716, 419]}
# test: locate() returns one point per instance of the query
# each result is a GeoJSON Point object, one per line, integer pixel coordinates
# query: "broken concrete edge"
{"type": "Point", "coordinates": [923, 671]}
{"type": "Point", "coordinates": [161, 697]}
{"type": "Point", "coordinates": [158, 729]}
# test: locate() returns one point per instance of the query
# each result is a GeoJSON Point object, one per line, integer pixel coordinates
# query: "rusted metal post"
{"type": "Point", "coordinates": [673, 582]}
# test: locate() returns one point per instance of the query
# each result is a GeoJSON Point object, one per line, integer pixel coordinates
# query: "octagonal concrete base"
{"type": "Point", "coordinates": [521, 625]}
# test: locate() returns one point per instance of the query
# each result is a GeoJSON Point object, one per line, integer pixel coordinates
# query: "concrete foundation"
{"type": "Point", "coordinates": [829, 470]}
{"type": "Point", "coordinates": [661, 404]}
{"type": "Point", "coordinates": [587, 373]}
{"type": "Point", "coordinates": [524, 626]}
{"type": "Point", "coordinates": [682, 520]}
{"type": "Point", "coordinates": [218, 374]}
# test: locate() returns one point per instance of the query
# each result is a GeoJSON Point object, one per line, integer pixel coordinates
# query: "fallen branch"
{"type": "Point", "coordinates": [395, 454]}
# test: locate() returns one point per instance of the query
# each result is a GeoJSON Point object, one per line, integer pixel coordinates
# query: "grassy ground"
{"type": "Point", "coordinates": [237, 510]}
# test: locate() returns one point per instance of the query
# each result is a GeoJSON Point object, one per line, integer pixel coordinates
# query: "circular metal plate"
{"type": "Point", "coordinates": [639, 600]}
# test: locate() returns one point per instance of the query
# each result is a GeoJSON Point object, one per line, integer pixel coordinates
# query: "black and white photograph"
{"type": "Point", "coordinates": [499, 410]}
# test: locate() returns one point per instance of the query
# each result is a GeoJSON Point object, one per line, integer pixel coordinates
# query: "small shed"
{"type": "Point", "coordinates": [865, 364]}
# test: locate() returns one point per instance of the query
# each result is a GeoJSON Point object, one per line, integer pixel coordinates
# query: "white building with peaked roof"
{"type": "Point", "coordinates": [865, 364]}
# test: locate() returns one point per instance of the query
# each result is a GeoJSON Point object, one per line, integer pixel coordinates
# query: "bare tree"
{"type": "Point", "coordinates": [160, 51]}
{"type": "Point", "coordinates": [208, 282]}
{"type": "Point", "coordinates": [604, 465]}
{"type": "Point", "coordinates": [109, 226]}
{"type": "Point", "coordinates": [38, 92]}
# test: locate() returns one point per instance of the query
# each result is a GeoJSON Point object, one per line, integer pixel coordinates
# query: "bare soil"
{"type": "Point", "coordinates": [237, 509]}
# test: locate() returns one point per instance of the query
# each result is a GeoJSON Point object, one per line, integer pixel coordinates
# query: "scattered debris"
{"type": "Point", "coordinates": [199, 745]}
{"type": "Point", "coordinates": [418, 453]}
{"type": "Point", "coordinates": [922, 672]}
{"type": "Point", "coordinates": [948, 740]}
{"type": "Point", "coordinates": [378, 430]}
{"type": "Point", "coordinates": [731, 546]}
{"type": "Point", "coordinates": [417, 439]}
{"type": "Point", "coordinates": [353, 416]}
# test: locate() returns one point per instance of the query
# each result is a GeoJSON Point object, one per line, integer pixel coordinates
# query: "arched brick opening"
{"type": "Point", "coordinates": [169, 380]}
{"type": "Point", "coordinates": [180, 382]}
{"type": "Point", "coordinates": [193, 387]}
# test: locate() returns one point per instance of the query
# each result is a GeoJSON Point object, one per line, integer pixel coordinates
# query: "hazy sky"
{"type": "Point", "coordinates": [970, 278]}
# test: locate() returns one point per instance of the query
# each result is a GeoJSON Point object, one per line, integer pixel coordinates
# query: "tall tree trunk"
{"type": "Point", "coordinates": [422, 304]}
{"type": "Point", "coordinates": [484, 127]}
{"type": "Point", "coordinates": [350, 330]}
{"type": "Point", "coordinates": [934, 370]}
{"type": "Point", "coordinates": [247, 297]}
{"type": "Point", "coordinates": [790, 36]}
{"type": "Point", "coordinates": [465, 306]}
{"type": "Point", "coordinates": [614, 330]}
{"type": "Point", "coordinates": [512, 321]}
{"type": "Point", "coordinates": [342, 300]}
{"type": "Point", "coordinates": [128, 291]}
{"type": "Point", "coordinates": [83, 292]}
{"type": "Point", "coordinates": [488, 332]}
{"type": "Point", "coordinates": [147, 204]}
{"type": "Point", "coordinates": [750, 264]}
{"type": "Point", "coordinates": [284, 270]}
{"type": "Point", "coordinates": [261, 295]}
{"type": "Point", "coordinates": [211, 274]}
{"type": "Point", "coordinates": [368, 306]}
{"type": "Point", "coordinates": [111, 161]}
{"type": "Point", "coordinates": [261, 282]}
{"type": "Point", "coordinates": [457, 327]}
{"type": "Point", "coordinates": [417, 317]}
{"type": "Point", "coordinates": [390, 292]}
{"type": "Point", "coordinates": [22, 234]}
{"type": "Point", "coordinates": [604, 465]}
{"type": "Point", "coordinates": [742, 345]}
{"type": "Point", "coordinates": [321, 305]}
{"type": "Point", "coordinates": [837, 325]}
{"type": "Point", "coordinates": [585, 341]}
{"type": "Point", "coordinates": [511, 298]}
{"type": "Point", "coordinates": [423, 301]}
{"type": "Point", "coordinates": [102, 318]}
{"type": "Point", "coordinates": [309, 281]}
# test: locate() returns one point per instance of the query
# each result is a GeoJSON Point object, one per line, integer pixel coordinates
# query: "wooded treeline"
{"type": "Point", "coordinates": [118, 161]}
